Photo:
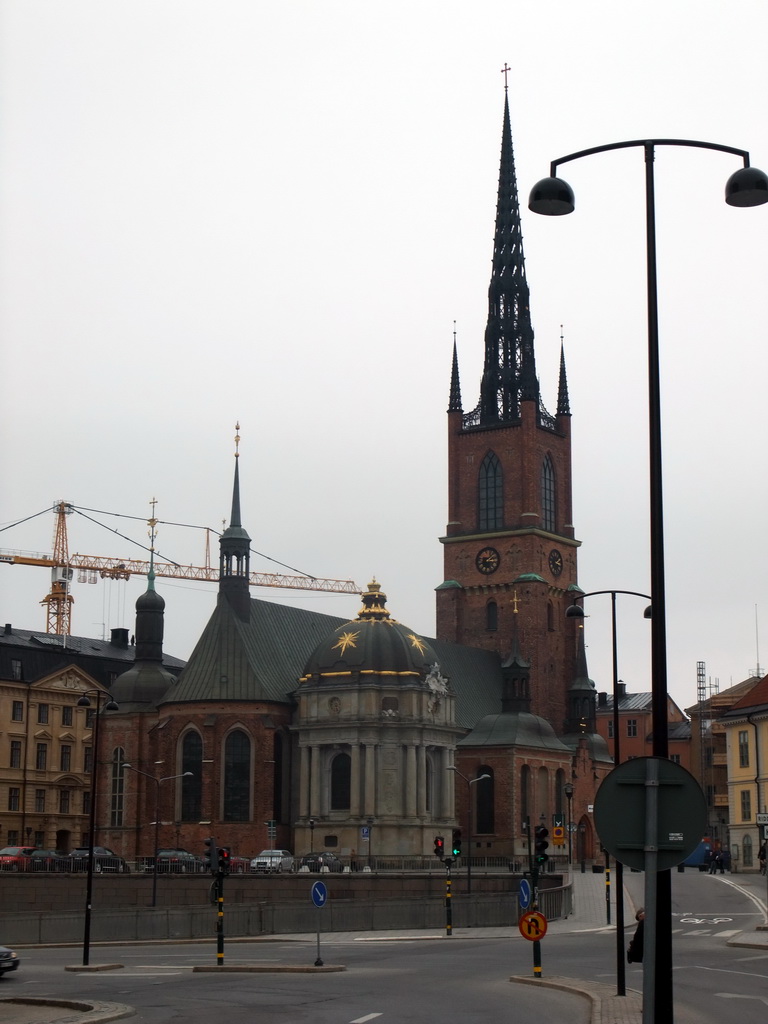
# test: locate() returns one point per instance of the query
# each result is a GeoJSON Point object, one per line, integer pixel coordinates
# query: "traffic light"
{"type": "Point", "coordinates": [224, 853]}
{"type": "Point", "coordinates": [211, 856]}
{"type": "Point", "coordinates": [456, 843]}
{"type": "Point", "coordinates": [439, 847]}
{"type": "Point", "coordinates": [541, 845]}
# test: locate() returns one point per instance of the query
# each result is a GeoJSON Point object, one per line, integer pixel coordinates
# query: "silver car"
{"type": "Point", "coordinates": [273, 861]}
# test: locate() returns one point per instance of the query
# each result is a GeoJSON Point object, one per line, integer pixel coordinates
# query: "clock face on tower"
{"type": "Point", "coordinates": [488, 560]}
{"type": "Point", "coordinates": [555, 562]}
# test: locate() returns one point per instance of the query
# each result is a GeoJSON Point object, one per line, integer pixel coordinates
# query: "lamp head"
{"type": "Point", "coordinates": [648, 613]}
{"type": "Point", "coordinates": [574, 611]}
{"type": "Point", "coordinates": [551, 197]}
{"type": "Point", "coordinates": [747, 187]}
{"type": "Point", "coordinates": [111, 705]}
{"type": "Point", "coordinates": [84, 701]}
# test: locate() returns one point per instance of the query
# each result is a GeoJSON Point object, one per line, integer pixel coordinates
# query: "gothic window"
{"type": "Point", "coordinates": [525, 793]}
{"type": "Point", "coordinates": [484, 818]}
{"type": "Point", "coordinates": [542, 792]}
{"type": "Point", "coordinates": [237, 775]}
{"type": "Point", "coordinates": [548, 495]}
{"type": "Point", "coordinates": [117, 788]}
{"type": "Point", "coordinates": [277, 791]}
{"type": "Point", "coordinates": [191, 788]}
{"type": "Point", "coordinates": [559, 790]}
{"type": "Point", "coordinates": [492, 616]}
{"type": "Point", "coordinates": [550, 617]}
{"type": "Point", "coordinates": [341, 776]}
{"type": "Point", "coordinates": [490, 494]}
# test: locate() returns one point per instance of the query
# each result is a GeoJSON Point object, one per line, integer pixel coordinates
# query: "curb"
{"type": "Point", "coordinates": [274, 969]}
{"type": "Point", "coordinates": [95, 1011]}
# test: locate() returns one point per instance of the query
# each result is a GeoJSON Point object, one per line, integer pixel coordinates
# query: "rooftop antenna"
{"type": "Point", "coordinates": [758, 670]}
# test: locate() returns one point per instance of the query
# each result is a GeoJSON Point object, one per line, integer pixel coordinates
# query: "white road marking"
{"type": "Point", "coordinates": [362, 1020]}
{"type": "Point", "coordinates": [728, 934]}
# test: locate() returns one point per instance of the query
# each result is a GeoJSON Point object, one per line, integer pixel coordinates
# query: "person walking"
{"type": "Point", "coordinates": [712, 858]}
{"type": "Point", "coordinates": [635, 950]}
{"type": "Point", "coordinates": [761, 858]}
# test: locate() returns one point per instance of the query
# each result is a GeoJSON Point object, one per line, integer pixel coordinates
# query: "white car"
{"type": "Point", "coordinates": [273, 861]}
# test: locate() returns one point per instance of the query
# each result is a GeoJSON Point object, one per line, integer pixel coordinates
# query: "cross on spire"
{"type": "Point", "coordinates": [504, 72]}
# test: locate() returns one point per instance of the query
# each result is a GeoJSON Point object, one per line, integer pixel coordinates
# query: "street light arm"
{"type": "Point", "coordinates": [743, 153]}
{"type": "Point", "coordinates": [594, 593]}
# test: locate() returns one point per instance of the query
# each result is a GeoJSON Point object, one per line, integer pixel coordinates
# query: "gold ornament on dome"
{"type": "Point", "coordinates": [346, 640]}
{"type": "Point", "coordinates": [417, 642]}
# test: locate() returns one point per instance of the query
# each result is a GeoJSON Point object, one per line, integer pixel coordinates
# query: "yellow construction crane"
{"type": "Point", "coordinates": [59, 601]}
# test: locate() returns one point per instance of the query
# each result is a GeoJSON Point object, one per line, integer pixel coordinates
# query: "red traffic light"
{"type": "Point", "coordinates": [439, 847]}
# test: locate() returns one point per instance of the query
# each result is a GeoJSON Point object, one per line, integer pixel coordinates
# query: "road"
{"type": "Point", "coordinates": [426, 979]}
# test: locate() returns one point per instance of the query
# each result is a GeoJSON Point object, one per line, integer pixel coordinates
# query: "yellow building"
{"type": "Point", "coordinates": [746, 729]}
{"type": "Point", "coordinates": [46, 759]}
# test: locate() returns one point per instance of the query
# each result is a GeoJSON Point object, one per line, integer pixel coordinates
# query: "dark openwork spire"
{"type": "Point", "coordinates": [509, 374]}
{"type": "Point", "coordinates": [235, 552]}
{"type": "Point", "coordinates": [454, 402]}
{"type": "Point", "coordinates": [563, 404]}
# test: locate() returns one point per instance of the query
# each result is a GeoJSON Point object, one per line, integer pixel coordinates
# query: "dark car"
{"type": "Point", "coordinates": [175, 862]}
{"type": "Point", "coordinates": [319, 861]}
{"type": "Point", "coordinates": [8, 960]}
{"type": "Point", "coordinates": [104, 859]}
{"type": "Point", "coordinates": [48, 860]}
{"type": "Point", "coordinates": [15, 858]}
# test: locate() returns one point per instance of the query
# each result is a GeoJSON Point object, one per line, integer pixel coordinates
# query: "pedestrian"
{"type": "Point", "coordinates": [719, 862]}
{"type": "Point", "coordinates": [635, 950]}
{"type": "Point", "coordinates": [761, 858]}
{"type": "Point", "coordinates": [727, 861]}
{"type": "Point", "coordinates": [712, 858]}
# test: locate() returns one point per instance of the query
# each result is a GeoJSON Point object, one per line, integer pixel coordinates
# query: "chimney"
{"type": "Point", "coordinates": [119, 637]}
{"type": "Point", "coordinates": [8, 629]}
{"type": "Point", "coordinates": [622, 689]}
{"type": "Point", "coordinates": [602, 700]}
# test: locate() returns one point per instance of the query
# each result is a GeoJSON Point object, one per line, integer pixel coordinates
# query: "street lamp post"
{"type": "Point", "coordinates": [576, 611]}
{"type": "Point", "coordinates": [552, 196]}
{"type": "Point", "coordinates": [109, 705]}
{"type": "Point", "coordinates": [157, 781]}
{"type": "Point", "coordinates": [311, 835]}
{"type": "Point", "coordinates": [470, 783]}
{"type": "Point", "coordinates": [568, 790]}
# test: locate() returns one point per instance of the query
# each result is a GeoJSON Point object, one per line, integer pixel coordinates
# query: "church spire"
{"type": "Point", "coordinates": [563, 403]}
{"type": "Point", "coordinates": [454, 402]}
{"type": "Point", "coordinates": [509, 374]}
{"type": "Point", "coordinates": [234, 551]}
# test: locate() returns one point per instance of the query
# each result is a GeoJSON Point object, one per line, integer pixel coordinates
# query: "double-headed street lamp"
{"type": "Point", "coordinates": [157, 781]}
{"type": "Point", "coordinates": [109, 705]}
{"type": "Point", "coordinates": [470, 783]}
{"type": "Point", "coordinates": [576, 611]}
{"type": "Point", "coordinates": [554, 197]}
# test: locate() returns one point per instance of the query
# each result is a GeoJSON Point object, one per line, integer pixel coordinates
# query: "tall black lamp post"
{"type": "Point", "coordinates": [470, 783]}
{"type": "Point", "coordinates": [568, 790]}
{"type": "Point", "coordinates": [157, 781]}
{"type": "Point", "coordinates": [109, 705]}
{"type": "Point", "coordinates": [311, 835]}
{"type": "Point", "coordinates": [576, 611]}
{"type": "Point", "coordinates": [554, 197]}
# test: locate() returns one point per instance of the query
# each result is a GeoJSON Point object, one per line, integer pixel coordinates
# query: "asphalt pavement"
{"type": "Point", "coordinates": [590, 914]}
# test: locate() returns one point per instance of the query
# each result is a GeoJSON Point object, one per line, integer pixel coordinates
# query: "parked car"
{"type": "Point", "coordinates": [48, 860]}
{"type": "Point", "coordinates": [319, 861]}
{"type": "Point", "coordinates": [175, 862]}
{"type": "Point", "coordinates": [104, 859]}
{"type": "Point", "coordinates": [9, 961]}
{"type": "Point", "coordinates": [15, 858]}
{"type": "Point", "coordinates": [273, 861]}
{"type": "Point", "coordinates": [238, 865]}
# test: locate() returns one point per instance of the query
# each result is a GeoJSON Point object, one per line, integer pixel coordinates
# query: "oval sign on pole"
{"type": "Point", "coordinates": [319, 894]}
{"type": "Point", "coordinates": [524, 893]}
{"type": "Point", "coordinates": [620, 813]}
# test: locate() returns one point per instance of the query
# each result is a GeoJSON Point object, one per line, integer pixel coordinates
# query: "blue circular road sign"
{"type": "Point", "coordinates": [524, 893]}
{"type": "Point", "coordinates": [319, 894]}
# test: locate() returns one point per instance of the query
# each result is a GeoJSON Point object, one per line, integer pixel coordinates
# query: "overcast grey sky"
{"type": "Point", "coordinates": [275, 212]}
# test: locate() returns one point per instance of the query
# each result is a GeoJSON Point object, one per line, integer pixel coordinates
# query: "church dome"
{"type": "Point", "coordinates": [373, 644]}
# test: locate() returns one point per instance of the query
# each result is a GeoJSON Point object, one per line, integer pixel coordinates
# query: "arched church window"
{"type": "Point", "coordinates": [191, 760]}
{"type": "Point", "coordinates": [525, 793]}
{"type": "Point", "coordinates": [548, 495]}
{"type": "Point", "coordinates": [559, 790]}
{"type": "Point", "coordinates": [550, 616]}
{"type": "Point", "coordinates": [490, 494]}
{"type": "Point", "coordinates": [492, 616]}
{"type": "Point", "coordinates": [117, 787]}
{"type": "Point", "coordinates": [484, 816]}
{"type": "Point", "coordinates": [542, 793]}
{"type": "Point", "coordinates": [341, 782]}
{"type": "Point", "coordinates": [237, 776]}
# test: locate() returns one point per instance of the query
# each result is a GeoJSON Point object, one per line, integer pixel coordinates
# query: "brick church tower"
{"type": "Point", "coordinates": [510, 538]}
